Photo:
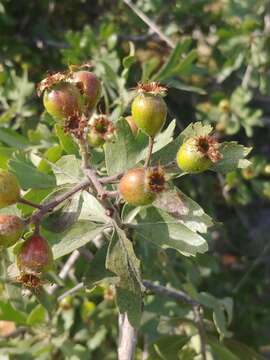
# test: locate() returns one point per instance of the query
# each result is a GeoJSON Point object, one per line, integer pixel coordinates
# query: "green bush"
{"type": "Point", "coordinates": [182, 280]}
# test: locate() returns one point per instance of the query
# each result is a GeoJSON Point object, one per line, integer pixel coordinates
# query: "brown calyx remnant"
{"type": "Point", "coordinates": [155, 179]}
{"type": "Point", "coordinates": [76, 126]}
{"type": "Point", "coordinates": [209, 147]}
{"type": "Point", "coordinates": [57, 77]}
{"type": "Point", "coordinates": [50, 80]}
{"type": "Point", "coordinates": [101, 125]}
{"type": "Point", "coordinates": [31, 281]}
{"type": "Point", "coordinates": [152, 88]}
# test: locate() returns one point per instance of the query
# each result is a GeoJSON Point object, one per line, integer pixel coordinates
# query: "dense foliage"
{"type": "Point", "coordinates": [204, 234]}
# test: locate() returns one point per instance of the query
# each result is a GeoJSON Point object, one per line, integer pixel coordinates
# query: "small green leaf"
{"type": "Point", "coordinates": [233, 157]}
{"type": "Point", "coordinates": [92, 210]}
{"type": "Point", "coordinates": [128, 150]}
{"type": "Point", "coordinates": [163, 230]}
{"type": "Point", "coordinates": [242, 350]}
{"type": "Point", "coordinates": [97, 272]}
{"type": "Point", "coordinates": [183, 208]}
{"type": "Point", "coordinates": [5, 155]}
{"type": "Point", "coordinates": [9, 114]}
{"type": "Point", "coordinates": [11, 138]}
{"type": "Point", "coordinates": [167, 347]}
{"type": "Point", "coordinates": [124, 153]}
{"type": "Point", "coordinates": [65, 215]}
{"type": "Point", "coordinates": [168, 69]}
{"type": "Point", "coordinates": [220, 321]}
{"type": "Point", "coordinates": [8, 313]}
{"type": "Point", "coordinates": [66, 141]}
{"type": "Point", "coordinates": [196, 129]}
{"type": "Point", "coordinates": [67, 170]}
{"type": "Point", "coordinates": [130, 59]}
{"type": "Point", "coordinates": [52, 154]}
{"type": "Point", "coordinates": [78, 235]}
{"type": "Point", "coordinates": [122, 261]}
{"type": "Point", "coordinates": [221, 351]}
{"type": "Point", "coordinates": [36, 316]}
{"type": "Point", "coordinates": [27, 174]}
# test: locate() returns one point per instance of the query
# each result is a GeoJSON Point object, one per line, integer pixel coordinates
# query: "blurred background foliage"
{"type": "Point", "coordinates": [217, 71]}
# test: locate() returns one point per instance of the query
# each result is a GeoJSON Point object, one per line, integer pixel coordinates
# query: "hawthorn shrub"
{"type": "Point", "coordinates": [84, 200]}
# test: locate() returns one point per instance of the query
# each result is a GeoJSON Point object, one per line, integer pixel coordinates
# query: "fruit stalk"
{"type": "Point", "coordinates": [149, 152]}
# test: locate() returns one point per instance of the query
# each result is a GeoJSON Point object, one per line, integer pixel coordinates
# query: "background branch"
{"type": "Point", "coordinates": [150, 23]}
{"type": "Point", "coordinates": [183, 297]}
{"type": "Point", "coordinates": [65, 270]}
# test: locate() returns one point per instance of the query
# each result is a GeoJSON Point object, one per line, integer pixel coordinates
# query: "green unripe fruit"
{"type": "Point", "coordinates": [101, 129]}
{"type": "Point", "coordinates": [63, 101]}
{"type": "Point", "coordinates": [133, 188]}
{"type": "Point", "coordinates": [248, 173]}
{"type": "Point", "coordinates": [148, 109]}
{"type": "Point", "coordinates": [224, 106]}
{"type": "Point", "coordinates": [149, 113]}
{"type": "Point", "coordinates": [90, 87]}
{"type": "Point", "coordinates": [66, 303]}
{"type": "Point", "coordinates": [95, 139]}
{"type": "Point", "coordinates": [197, 154]}
{"type": "Point", "coordinates": [266, 170]}
{"type": "Point", "coordinates": [35, 256]}
{"type": "Point", "coordinates": [11, 228]}
{"type": "Point", "coordinates": [9, 189]}
{"type": "Point", "coordinates": [139, 186]}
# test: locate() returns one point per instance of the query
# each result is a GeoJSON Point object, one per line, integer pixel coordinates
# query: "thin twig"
{"type": "Point", "coordinates": [84, 154]}
{"type": "Point", "coordinates": [29, 203]}
{"type": "Point", "coordinates": [86, 254]}
{"type": "Point", "coordinates": [251, 268]}
{"type": "Point", "coordinates": [20, 331]}
{"type": "Point", "coordinates": [247, 76]}
{"type": "Point", "coordinates": [71, 291]}
{"type": "Point", "coordinates": [37, 216]}
{"type": "Point", "coordinates": [145, 353]}
{"type": "Point", "coordinates": [65, 270]}
{"type": "Point", "coordinates": [127, 338]}
{"type": "Point", "coordinates": [110, 179]}
{"type": "Point", "coordinates": [177, 295]}
{"type": "Point", "coordinates": [183, 297]}
{"type": "Point", "coordinates": [149, 152]}
{"type": "Point", "coordinates": [91, 174]}
{"type": "Point", "coordinates": [150, 23]}
{"type": "Point", "coordinates": [200, 326]}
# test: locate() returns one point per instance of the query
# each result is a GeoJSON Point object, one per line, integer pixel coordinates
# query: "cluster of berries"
{"type": "Point", "coordinates": [71, 98]}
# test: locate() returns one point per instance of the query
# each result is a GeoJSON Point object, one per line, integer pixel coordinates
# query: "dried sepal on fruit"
{"type": "Point", "coordinates": [140, 186]}
{"type": "Point", "coordinates": [30, 281]}
{"type": "Point", "coordinates": [100, 130]}
{"type": "Point", "coordinates": [11, 229]}
{"type": "Point", "coordinates": [76, 126]}
{"type": "Point", "coordinates": [156, 179]}
{"type": "Point", "coordinates": [149, 110]}
{"type": "Point", "coordinates": [197, 154]}
{"type": "Point", "coordinates": [50, 80]}
{"type": "Point", "coordinates": [153, 87]}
